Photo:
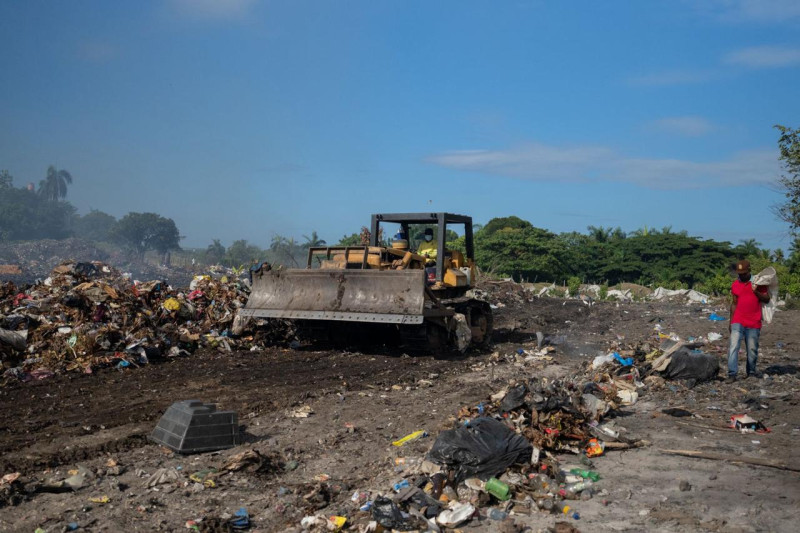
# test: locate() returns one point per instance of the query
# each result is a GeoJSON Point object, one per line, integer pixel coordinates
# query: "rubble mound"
{"type": "Point", "coordinates": [87, 315]}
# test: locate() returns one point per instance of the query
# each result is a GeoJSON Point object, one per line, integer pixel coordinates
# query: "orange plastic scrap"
{"type": "Point", "coordinates": [595, 448]}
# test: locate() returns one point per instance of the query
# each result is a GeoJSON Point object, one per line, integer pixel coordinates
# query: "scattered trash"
{"type": "Point", "coordinates": [717, 318]}
{"type": "Point", "coordinates": [624, 361]}
{"type": "Point", "coordinates": [304, 411]}
{"type": "Point", "coordinates": [411, 437]}
{"type": "Point", "coordinates": [685, 363]}
{"type": "Point", "coordinates": [456, 515]}
{"type": "Point", "coordinates": [386, 513]}
{"type": "Point", "coordinates": [240, 520]}
{"type": "Point", "coordinates": [713, 336]}
{"type": "Point", "coordinates": [86, 316]}
{"type": "Point", "coordinates": [747, 424]}
{"type": "Point", "coordinates": [595, 448]}
{"type": "Point", "coordinates": [483, 448]}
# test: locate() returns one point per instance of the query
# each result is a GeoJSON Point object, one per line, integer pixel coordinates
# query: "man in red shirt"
{"type": "Point", "coordinates": [745, 320]}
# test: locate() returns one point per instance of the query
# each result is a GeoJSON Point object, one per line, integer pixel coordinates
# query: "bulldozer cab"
{"type": "Point", "coordinates": [445, 258]}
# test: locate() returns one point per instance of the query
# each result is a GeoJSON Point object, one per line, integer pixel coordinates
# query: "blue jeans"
{"type": "Point", "coordinates": [750, 336]}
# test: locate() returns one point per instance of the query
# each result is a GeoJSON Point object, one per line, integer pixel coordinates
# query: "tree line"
{"type": "Point", "coordinates": [505, 246]}
{"type": "Point", "coordinates": [30, 213]}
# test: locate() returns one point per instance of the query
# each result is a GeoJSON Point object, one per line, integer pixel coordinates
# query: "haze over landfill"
{"type": "Point", "coordinates": [246, 119]}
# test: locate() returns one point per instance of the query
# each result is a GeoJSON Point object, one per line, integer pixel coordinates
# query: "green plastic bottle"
{"type": "Point", "coordinates": [498, 489]}
{"type": "Point", "coordinates": [585, 474]}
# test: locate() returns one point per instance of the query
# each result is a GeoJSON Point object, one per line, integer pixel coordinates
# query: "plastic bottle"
{"type": "Point", "coordinates": [449, 493]}
{"type": "Point", "coordinates": [573, 490]}
{"type": "Point", "coordinates": [407, 461]}
{"type": "Point", "coordinates": [565, 509]}
{"type": "Point", "coordinates": [586, 474]}
{"type": "Point", "coordinates": [562, 508]}
{"type": "Point", "coordinates": [545, 504]}
{"type": "Point", "coordinates": [540, 482]}
{"type": "Point", "coordinates": [498, 489]}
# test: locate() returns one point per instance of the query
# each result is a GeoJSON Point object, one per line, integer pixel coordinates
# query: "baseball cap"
{"type": "Point", "coordinates": [742, 266]}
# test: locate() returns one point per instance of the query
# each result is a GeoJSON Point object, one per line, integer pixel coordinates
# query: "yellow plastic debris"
{"type": "Point", "coordinates": [408, 438]}
{"type": "Point", "coordinates": [171, 304]}
{"type": "Point", "coordinates": [338, 522]}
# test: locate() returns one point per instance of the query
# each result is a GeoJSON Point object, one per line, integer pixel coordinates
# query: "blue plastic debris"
{"type": "Point", "coordinates": [624, 361]}
{"type": "Point", "coordinates": [716, 317]}
{"type": "Point", "coordinates": [240, 520]}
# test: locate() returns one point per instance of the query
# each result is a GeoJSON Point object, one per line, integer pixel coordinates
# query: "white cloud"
{"type": "Point", "coordinates": [764, 11]}
{"type": "Point", "coordinates": [673, 77]}
{"type": "Point", "coordinates": [689, 126]}
{"type": "Point", "coordinates": [213, 9]}
{"type": "Point", "coordinates": [539, 162]}
{"type": "Point", "coordinates": [764, 57]}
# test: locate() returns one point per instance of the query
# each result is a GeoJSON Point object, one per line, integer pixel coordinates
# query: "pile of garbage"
{"type": "Point", "coordinates": [498, 459]}
{"type": "Point", "coordinates": [505, 456]}
{"type": "Point", "coordinates": [88, 315]}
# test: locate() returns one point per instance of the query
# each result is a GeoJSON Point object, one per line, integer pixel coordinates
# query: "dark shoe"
{"type": "Point", "coordinates": [730, 379]}
{"type": "Point", "coordinates": [755, 375]}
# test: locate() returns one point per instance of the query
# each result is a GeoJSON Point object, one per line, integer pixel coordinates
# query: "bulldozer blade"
{"type": "Point", "coordinates": [388, 297]}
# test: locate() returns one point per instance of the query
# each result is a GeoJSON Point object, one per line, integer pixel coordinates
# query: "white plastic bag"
{"type": "Point", "coordinates": [769, 278]}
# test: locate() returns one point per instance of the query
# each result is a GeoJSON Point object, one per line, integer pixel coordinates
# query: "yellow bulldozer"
{"type": "Point", "coordinates": [382, 293]}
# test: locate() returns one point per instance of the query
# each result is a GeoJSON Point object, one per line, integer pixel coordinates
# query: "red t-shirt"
{"type": "Point", "coordinates": [748, 307]}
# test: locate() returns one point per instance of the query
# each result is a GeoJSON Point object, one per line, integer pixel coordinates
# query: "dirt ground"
{"type": "Point", "coordinates": [362, 402]}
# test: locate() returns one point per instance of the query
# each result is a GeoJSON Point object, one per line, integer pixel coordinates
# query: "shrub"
{"type": "Point", "coordinates": [574, 285]}
{"type": "Point", "coordinates": [602, 294]}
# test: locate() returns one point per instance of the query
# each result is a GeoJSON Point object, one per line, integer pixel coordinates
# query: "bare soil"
{"type": "Point", "coordinates": [362, 402]}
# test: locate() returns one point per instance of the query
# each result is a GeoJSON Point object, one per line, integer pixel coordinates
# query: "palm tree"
{"type": "Point", "coordinates": [599, 233]}
{"type": "Point", "coordinates": [642, 232]}
{"type": "Point", "coordinates": [54, 186]}
{"type": "Point", "coordinates": [313, 240]}
{"type": "Point", "coordinates": [778, 256]}
{"type": "Point", "coordinates": [749, 247]}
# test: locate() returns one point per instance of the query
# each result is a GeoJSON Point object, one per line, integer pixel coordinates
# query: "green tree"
{"type": "Point", "coordinates": [511, 222]}
{"type": "Point", "coordinates": [146, 231]}
{"type": "Point", "coordinates": [54, 185]}
{"type": "Point", "coordinates": [94, 226]}
{"type": "Point", "coordinates": [286, 251]}
{"type": "Point", "coordinates": [789, 147]}
{"type": "Point", "coordinates": [354, 239]}
{"type": "Point", "coordinates": [242, 253]}
{"type": "Point", "coordinates": [313, 240]}
{"type": "Point", "coordinates": [25, 215]}
{"type": "Point", "coordinates": [522, 252]}
{"type": "Point", "coordinates": [601, 234]}
{"type": "Point", "coordinates": [215, 253]}
{"type": "Point", "coordinates": [5, 179]}
{"type": "Point", "coordinates": [749, 247]}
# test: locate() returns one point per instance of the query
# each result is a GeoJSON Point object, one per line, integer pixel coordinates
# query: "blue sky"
{"type": "Point", "coordinates": [247, 118]}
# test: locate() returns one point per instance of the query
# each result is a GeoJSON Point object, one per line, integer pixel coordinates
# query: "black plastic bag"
{"type": "Point", "coordinates": [482, 449]}
{"type": "Point", "coordinates": [514, 399]}
{"type": "Point", "coordinates": [686, 364]}
{"type": "Point", "coordinates": [388, 514]}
